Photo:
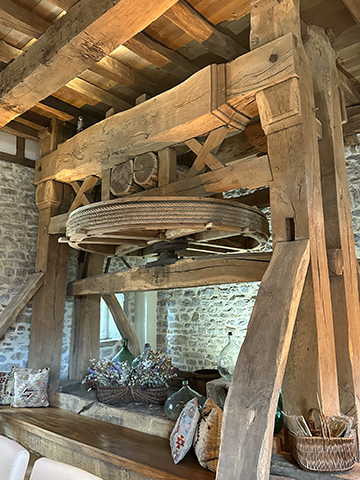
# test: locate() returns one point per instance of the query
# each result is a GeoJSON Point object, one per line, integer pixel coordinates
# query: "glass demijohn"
{"type": "Point", "coordinates": [227, 358]}
{"type": "Point", "coordinates": [176, 402]}
{"type": "Point", "coordinates": [124, 355]}
{"type": "Point", "coordinates": [142, 356]}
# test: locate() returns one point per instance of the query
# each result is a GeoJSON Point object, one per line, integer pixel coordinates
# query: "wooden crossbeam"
{"type": "Point", "coordinates": [64, 4]}
{"type": "Point", "coordinates": [21, 130]}
{"type": "Point", "coordinates": [204, 157]}
{"type": "Point", "coordinates": [188, 19]}
{"type": "Point", "coordinates": [247, 267]}
{"type": "Point", "coordinates": [13, 15]}
{"type": "Point", "coordinates": [80, 198]}
{"type": "Point", "coordinates": [87, 33]}
{"type": "Point", "coordinates": [254, 391]}
{"type": "Point", "coordinates": [151, 126]}
{"type": "Point", "coordinates": [20, 300]}
{"type": "Point", "coordinates": [7, 52]}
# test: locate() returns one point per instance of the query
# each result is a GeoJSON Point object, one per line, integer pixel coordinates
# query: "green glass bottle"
{"type": "Point", "coordinates": [124, 355]}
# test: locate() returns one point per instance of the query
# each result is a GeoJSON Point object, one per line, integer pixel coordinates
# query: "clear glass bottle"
{"type": "Point", "coordinates": [176, 402]}
{"type": "Point", "coordinates": [124, 355]}
{"type": "Point", "coordinates": [142, 356]}
{"type": "Point", "coordinates": [227, 358]}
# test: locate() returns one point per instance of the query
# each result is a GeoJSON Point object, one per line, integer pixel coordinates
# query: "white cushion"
{"type": "Point", "coordinates": [14, 460]}
{"type": "Point", "coordinates": [46, 469]}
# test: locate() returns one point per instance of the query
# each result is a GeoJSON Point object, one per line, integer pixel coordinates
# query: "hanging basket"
{"type": "Point", "coordinates": [323, 453]}
{"type": "Point", "coordinates": [120, 395]}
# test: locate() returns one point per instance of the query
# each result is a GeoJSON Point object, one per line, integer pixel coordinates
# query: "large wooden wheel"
{"type": "Point", "coordinates": [134, 224]}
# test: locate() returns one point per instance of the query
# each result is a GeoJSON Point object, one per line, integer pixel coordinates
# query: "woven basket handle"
{"type": "Point", "coordinates": [325, 430]}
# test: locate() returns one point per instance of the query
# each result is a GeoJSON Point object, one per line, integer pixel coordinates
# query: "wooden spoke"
{"type": "Point", "coordinates": [255, 388]}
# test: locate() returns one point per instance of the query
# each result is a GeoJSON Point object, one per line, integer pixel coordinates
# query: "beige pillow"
{"type": "Point", "coordinates": [208, 434]}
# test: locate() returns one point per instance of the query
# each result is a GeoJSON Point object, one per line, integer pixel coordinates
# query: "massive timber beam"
{"type": "Point", "coordinates": [82, 37]}
{"type": "Point", "coordinates": [215, 96]}
{"type": "Point", "coordinates": [213, 270]}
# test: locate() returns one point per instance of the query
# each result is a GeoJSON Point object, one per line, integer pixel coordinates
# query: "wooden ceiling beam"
{"type": "Point", "coordinates": [118, 72]}
{"type": "Point", "coordinates": [21, 19]}
{"type": "Point", "coordinates": [93, 92]}
{"type": "Point", "coordinates": [66, 112]}
{"type": "Point", "coordinates": [64, 4]}
{"type": "Point", "coordinates": [86, 34]}
{"type": "Point", "coordinates": [33, 120]}
{"type": "Point", "coordinates": [7, 52]}
{"type": "Point", "coordinates": [191, 22]}
{"type": "Point", "coordinates": [20, 130]}
{"type": "Point", "coordinates": [152, 126]}
{"type": "Point", "coordinates": [161, 56]}
{"type": "Point", "coordinates": [354, 8]}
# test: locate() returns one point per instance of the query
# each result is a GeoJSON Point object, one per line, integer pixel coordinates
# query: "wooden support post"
{"type": "Point", "coordinates": [85, 335]}
{"type": "Point", "coordinates": [49, 302]}
{"type": "Point", "coordinates": [250, 407]}
{"type": "Point", "coordinates": [287, 115]}
{"type": "Point", "coordinates": [167, 166]}
{"type": "Point", "coordinates": [338, 221]}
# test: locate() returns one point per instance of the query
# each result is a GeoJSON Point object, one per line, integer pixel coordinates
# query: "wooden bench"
{"type": "Point", "coordinates": [109, 451]}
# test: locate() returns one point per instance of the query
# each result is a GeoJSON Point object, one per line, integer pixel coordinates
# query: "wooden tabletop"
{"type": "Point", "coordinates": [129, 449]}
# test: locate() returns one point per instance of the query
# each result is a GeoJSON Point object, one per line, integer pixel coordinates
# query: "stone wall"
{"type": "Point", "coordinates": [18, 238]}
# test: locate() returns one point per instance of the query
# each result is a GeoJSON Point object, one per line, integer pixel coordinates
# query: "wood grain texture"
{"type": "Point", "coordinates": [287, 115]}
{"type": "Point", "coordinates": [115, 452]}
{"type": "Point", "coordinates": [249, 267]}
{"type": "Point", "coordinates": [338, 218]}
{"type": "Point", "coordinates": [354, 9]}
{"type": "Point", "coordinates": [20, 300]}
{"type": "Point", "coordinates": [85, 335]}
{"type": "Point", "coordinates": [167, 166]}
{"type": "Point", "coordinates": [13, 15]}
{"type": "Point", "coordinates": [82, 37]}
{"type": "Point", "coordinates": [49, 302]}
{"type": "Point", "coordinates": [151, 126]}
{"type": "Point", "coordinates": [247, 443]}
{"type": "Point", "coordinates": [188, 19]}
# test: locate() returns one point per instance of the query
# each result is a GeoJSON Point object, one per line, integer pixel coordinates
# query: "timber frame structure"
{"type": "Point", "coordinates": [304, 333]}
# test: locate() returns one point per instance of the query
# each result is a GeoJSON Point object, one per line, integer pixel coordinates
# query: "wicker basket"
{"type": "Point", "coordinates": [325, 453]}
{"type": "Point", "coordinates": [121, 395]}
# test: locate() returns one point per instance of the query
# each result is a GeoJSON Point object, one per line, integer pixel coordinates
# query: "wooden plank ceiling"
{"type": "Point", "coordinates": [188, 36]}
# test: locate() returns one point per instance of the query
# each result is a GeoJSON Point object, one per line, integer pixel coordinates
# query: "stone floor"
{"type": "Point", "coordinates": [283, 466]}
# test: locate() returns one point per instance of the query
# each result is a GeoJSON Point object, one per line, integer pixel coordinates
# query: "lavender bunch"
{"type": "Point", "coordinates": [156, 369]}
{"type": "Point", "coordinates": [107, 374]}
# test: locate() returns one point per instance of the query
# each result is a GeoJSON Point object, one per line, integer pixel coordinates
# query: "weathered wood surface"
{"type": "Point", "coordinates": [85, 335]}
{"type": "Point", "coordinates": [82, 37]}
{"type": "Point", "coordinates": [80, 198]}
{"type": "Point", "coordinates": [167, 166]}
{"type": "Point", "coordinates": [248, 173]}
{"type": "Point", "coordinates": [338, 219]}
{"type": "Point", "coordinates": [354, 8]}
{"type": "Point", "coordinates": [248, 267]}
{"type": "Point", "coordinates": [287, 114]}
{"type": "Point", "coordinates": [20, 300]}
{"type": "Point", "coordinates": [122, 179]}
{"type": "Point", "coordinates": [112, 451]}
{"type": "Point", "coordinates": [49, 302]}
{"type": "Point", "coordinates": [146, 168]}
{"type": "Point", "coordinates": [254, 391]}
{"type": "Point", "coordinates": [152, 126]}
{"type": "Point", "coordinates": [122, 322]}
{"type": "Point", "coordinates": [13, 15]}
{"type": "Point", "coordinates": [190, 21]}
